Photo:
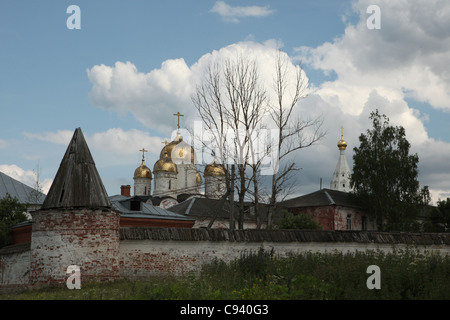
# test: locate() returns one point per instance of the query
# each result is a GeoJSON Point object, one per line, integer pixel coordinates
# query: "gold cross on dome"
{"type": "Point", "coordinates": [143, 150]}
{"type": "Point", "coordinates": [165, 142]}
{"type": "Point", "coordinates": [178, 114]}
{"type": "Point", "coordinates": [342, 132]}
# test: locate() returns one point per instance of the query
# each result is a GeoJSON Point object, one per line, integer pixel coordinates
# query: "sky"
{"type": "Point", "coordinates": [119, 70]}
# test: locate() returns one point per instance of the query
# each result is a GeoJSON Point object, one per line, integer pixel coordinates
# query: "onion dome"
{"type": "Point", "coordinates": [142, 171]}
{"type": "Point", "coordinates": [165, 164]}
{"type": "Point", "coordinates": [342, 144]}
{"type": "Point", "coordinates": [177, 151]}
{"type": "Point", "coordinates": [214, 169]}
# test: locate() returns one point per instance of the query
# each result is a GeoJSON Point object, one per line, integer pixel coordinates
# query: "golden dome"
{"type": "Point", "coordinates": [177, 150]}
{"type": "Point", "coordinates": [143, 172]}
{"type": "Point", "coordinates": [342, 144]}
{"type": "Point", "coordinates": [165, 164]}
{"type": "Point", "coordinates": [198, 178]}
{"type": "Point", "coordinates": [214, 169]}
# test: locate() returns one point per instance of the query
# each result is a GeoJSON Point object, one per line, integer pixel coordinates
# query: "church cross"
{"type": "Point", "coordinates": [165, 142]}
{"type": "Point", "coordinates": [342, 132]}
{"type": "Point", "coordinates": [178, 114]}
{"type": "Point", "coordinates": [143, 150]}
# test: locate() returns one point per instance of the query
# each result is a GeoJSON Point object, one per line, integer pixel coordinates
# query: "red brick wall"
{"type": "Point", "coordinates": [88, 239]}
{"type": "Point", "coordinates": [21, 234]}
{"type": "Point", "coordinates": [323, 215]}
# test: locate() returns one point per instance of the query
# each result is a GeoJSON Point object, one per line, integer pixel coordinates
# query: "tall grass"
{"type": "Point", "coordinates": [405, 274]}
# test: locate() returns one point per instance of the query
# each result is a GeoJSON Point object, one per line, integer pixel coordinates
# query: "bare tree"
{"type": "Point", "coordinates": [231, 104]}
{"type": "Point", "coordinates": [232, 99]}
{"type": "Point", "coordinates": [36, 196]}
{"type": "Point", "coordinates": [293, 133]}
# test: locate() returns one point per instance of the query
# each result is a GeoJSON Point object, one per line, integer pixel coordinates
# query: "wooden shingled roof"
{"type": "Point", "coordinates": [77, 183]}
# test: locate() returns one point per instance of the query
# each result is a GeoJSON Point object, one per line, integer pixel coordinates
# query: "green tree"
{"type": "Point", "coordinates": [297, 221]}
{"type": "Point", "coordinates": [384, 178]}
{"type": "Point", "coordinates": [11, 213]}
{"type": "Point", "coordinates": [440, 217]}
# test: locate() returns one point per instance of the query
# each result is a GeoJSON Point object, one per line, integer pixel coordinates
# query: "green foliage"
{"type": "Point", "coordinates": [385, 175]}
{"type": "Point", "coordinates": [297, 221]}
{"type": "Point", "coordinates": [405, 274]}
{"type": "Point", "coordinates": [11, 213]}
{"type": "Point", "coordinates": [440, 217]}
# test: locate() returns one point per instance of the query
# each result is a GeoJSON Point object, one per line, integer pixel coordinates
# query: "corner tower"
{"type": "Point", "coordinates": [342, 173]}
{"type": "Point", "coordinates": [76, 225]}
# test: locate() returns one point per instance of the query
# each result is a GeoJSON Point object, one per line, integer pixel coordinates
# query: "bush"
{"type": "Point", "coordinates": [297, 221]}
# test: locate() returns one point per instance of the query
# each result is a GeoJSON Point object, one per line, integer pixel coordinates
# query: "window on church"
{"type": "Point", "coordinates": [363, 223]}
{"type": "Point", "coordinates": [349, 222]}
{"type": "Point", "coordinates": [170, 184]}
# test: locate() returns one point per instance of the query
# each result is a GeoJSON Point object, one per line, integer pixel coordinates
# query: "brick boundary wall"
{"type": "Point", "coordinates": [86, 238]}
{"type": "Point", "coordinates": [139, 252]}
{"type": "Point", "coordinates": [157, 251]}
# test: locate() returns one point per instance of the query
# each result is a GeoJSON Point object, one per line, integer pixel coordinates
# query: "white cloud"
{"type": "Point", "coordinates": [153, 97]}
{"type": "Point", "coordinates": [408, 54]}
{"type": "Point", "coordinates": [232, 14]}
{"type": "Point", "coordinates": [118, 142]}
{"type": "Point", "coordinates": [27, 177]}
{"type": "Point", "coordinates": [60, 137]}
{"type": "Point", "coordinates": [115, 143]}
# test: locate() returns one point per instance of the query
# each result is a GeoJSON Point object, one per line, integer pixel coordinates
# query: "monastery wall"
{"type": "Point", "coordinates": [155, 251]}
{"type": "Point", "coordinates": [86, 238]}
{"type": "Point", "coordinates": [135, 252]}
{"type": "Point", "coordinates": [15, 267]}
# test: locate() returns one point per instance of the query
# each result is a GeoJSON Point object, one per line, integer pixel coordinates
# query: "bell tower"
{"type": "Point", "coordinates": [342, 173]}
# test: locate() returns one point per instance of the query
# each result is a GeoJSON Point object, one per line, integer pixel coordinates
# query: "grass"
{"type": "Point", "coordinates": [405, 274]}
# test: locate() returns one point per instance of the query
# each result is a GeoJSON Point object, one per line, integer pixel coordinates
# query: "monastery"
{"type": "Point", "coordinates": [124, 236]}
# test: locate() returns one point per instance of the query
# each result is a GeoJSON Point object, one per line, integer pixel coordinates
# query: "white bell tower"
{"type": "Point", "coordinates": [342, 173]}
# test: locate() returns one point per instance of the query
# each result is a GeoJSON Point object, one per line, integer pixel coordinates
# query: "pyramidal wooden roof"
{"type": "Point", "coordinates": [77, 183]}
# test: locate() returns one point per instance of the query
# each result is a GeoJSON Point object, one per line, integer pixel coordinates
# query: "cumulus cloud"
{"type": "Point", "coordinates": [153, 97]}
{"type": "Point", "coordinates": [232, 14]}
{"type": "Point", "coordinates": [114, 142]}
{"type": "Point", "coordinates": [408, 56]}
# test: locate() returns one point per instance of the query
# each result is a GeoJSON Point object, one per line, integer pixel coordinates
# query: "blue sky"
{"type": "Point", "coordinates": [46, 91]}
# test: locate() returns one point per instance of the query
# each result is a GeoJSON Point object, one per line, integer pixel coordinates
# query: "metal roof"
{"type": "Point", "coordinates": [17, 189]}
{"type": "Point", "coordinates": [122, 204]}
{"type": "Point", "coordinates": [323, 197]}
